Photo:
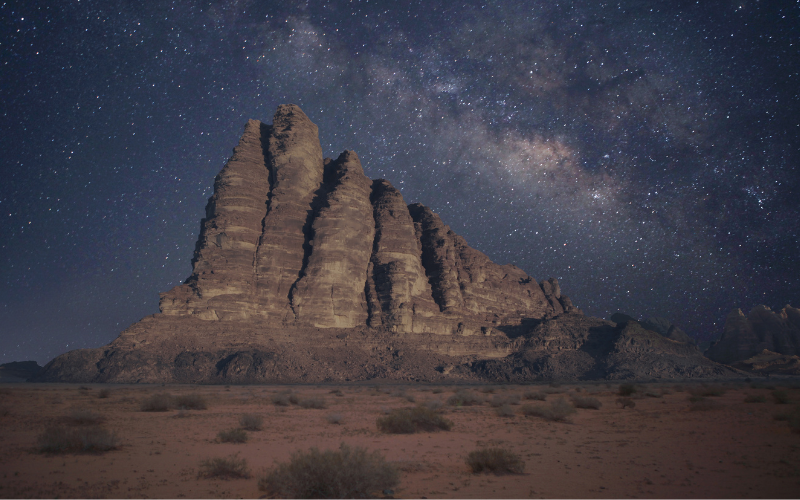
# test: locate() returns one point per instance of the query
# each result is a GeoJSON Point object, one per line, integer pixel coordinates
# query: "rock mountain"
{"type": "Point", "coordinates": [307, 270]}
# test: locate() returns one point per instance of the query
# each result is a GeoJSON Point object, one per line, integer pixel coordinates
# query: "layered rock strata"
{"type": "Point", "coordinates": [297, 240]}
{"type": "Point", "coordinates": [763, 328]}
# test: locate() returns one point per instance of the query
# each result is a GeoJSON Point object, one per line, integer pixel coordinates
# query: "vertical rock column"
{"type": "Point", "coordinates": [397, 286]}
{"type": "Point", "coordinates": [294, 157]}
{"type": "Point", "coordinates": [331, 291]}
{"type": "Point", "coordinates": [223, 278]}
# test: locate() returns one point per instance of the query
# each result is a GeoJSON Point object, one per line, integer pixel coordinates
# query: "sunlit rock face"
{"type": "Point", "coordinates": [300, 240]}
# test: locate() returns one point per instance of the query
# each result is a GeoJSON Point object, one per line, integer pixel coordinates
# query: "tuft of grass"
{"type": "Point", "coordinates": [703, 404]}
{"type": "Point", "coordinates": [285, 399]}
{"type": "Point", "coordinates": [80, 416]}
{"type": "Point", "coordinates": [251, 422]}
{"type": "Point", "coordinates": [755, 398]}
{"type": "Point", "coordinates": [315, 403]}
{"type": "Point", "coordinates": [61, 439]}
{"type": "Point", "coordinates": [586, 402]}
{"type": "Point", "coordinates": [535, 395]}
{"type": "Point", "coordinates": [626, 389]}
{"type": "Point", "coordinates": [464, 398]}
{"type": "Point", "coordinates": [104, 393]}
{"type": "Point", "coordinates": [558, 411]}
{"type": "Point", "coordinates": [231, 467]}
{"type": "Point", "coordinates": [157, 402]}
{"type": "Point", "coordinates": [497, 460]}
{"type": "Point", "coordinates": [504, 411]}
{"type": "Point", "coordinates": [335, 418]}
{"type": "Point", "coordinates": [190, 402]}
{"type": "Point", "coordinates": [411, 420]}
{"type": "Point", "coordinates": [232, 436]}
{"type": "Point", "coordinates": [780, 397]}
{"type": "Point", "coordinates": [345, 473]}
{"type": "Point", "coordinates": [626, 403]}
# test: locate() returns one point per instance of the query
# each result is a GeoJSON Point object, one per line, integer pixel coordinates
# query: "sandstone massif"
{"type": "Point", "coordinates": [306, 270]}
{"type": "Point", "coordinates": [761, 339]}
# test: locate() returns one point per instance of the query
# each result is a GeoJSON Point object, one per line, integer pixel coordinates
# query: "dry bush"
{"type": "Point", "coordinates": [558, 411]}
{"type": "Point", "coordinates": [336, 392]}
{"type": "Point", "coordinates": [190, 402]}
{"type": "Point", "coordinates": [231, 467]}
{"type": "Point", "coordinates": [411, 420]}
{"type": "Point", "coordinates": [335, 418]}
{"type": "Point", "coordinates": [626, 389]}
{"type": "Point", "coordinates": [497, 460]}
{"type": "Point", "coordinates": [463, 397]}
{"type": "Point", "coordinates": [780, 397]}
{"type": "Point", "coordinates": [707, 390]}
{"type": "Point", "coordinates": [499, 400]}
{"type": "Point", "coordinates": [535, 395]}
{"type": "Point", "coordinates": [157, 402]}
{"type": "Point", "coordinates": [504, 411]}
{"type": "Point", "coordinates": [433, 404]}
{"type": "Point", "coordinates": [703, 404]}
{"type": "Point", "coordinates": [104, 393]}
{"type": "Point", "coordinates": [61, 439]}
{"type": "Point", "coordinates": [232, 436]}
{"type": "Point", "coordinates": [437, 390]}
{"type": "Point", "coordinates": [586, 402]}
{"type": "Point", "coordinates": [345, 473]}
{"type": "Point", "coordinates": [251, 422]}
{"type": "Point", "coordinates": [653, 394]}
{"type": "Point", "coordinates": [755, 398]}
{"type": "Point", "coordinates": [81, 416]}
{"type": "Point", "coordinates": [626, 403]}
{"type": "Point", "coordinates": [487, 389]}
{"type": "Point", "coordinates": [315, 403]}
{"type": "Point", "coordinates": [285, 399]}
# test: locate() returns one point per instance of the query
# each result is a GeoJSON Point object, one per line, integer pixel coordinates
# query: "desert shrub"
{"type": "Point", "coordinates": [404, 395]}
{"type": "Point", "coordinates": [84, 388]}
{"type": "Point", "coordinates": [80, 416]}
{"type": "Point", "coordinates": [157, 402]}
{"type": "Point", "coordinates": [344, 473]}
{"type": "Point", "coordinates": [499, 400]}
{"type": "Point", "coordinates": [190, 402]}
{"type": "Point", "coordinates": [61, 439]}
{"type": "Point", "coordinates": [232, 436]}
{"type": "Point", "coordinates": [626, 403]}
{"type": "Point", "coordinates": [703, 404]}
{"type": "Point", "coordinates": [755, 398]}
{"type": "Point", "coordinates": [251, 422]}
{"type": "Point", "coordinates": [104, 393]}
{"type": "Point", "coordinates": [558, 411]}
{"type": "Point", "coordinates": [653, 394]}
{"type": "Point", "coordinates": [285, 399]}
{"type": "Point", "coordinates": [316, 403]}
{"type": "Point", "coordinates": [707, 390]}
{"type": "Point", "coordinates": [437, 390]}
{"type": "Point", "coordinates": [335, 418]}
{"type": "Point", "coordinates": [487, 389]}
{"type": "Point", "coordinates": [433, 404]}
{"type": "Point", "coordinates": [497, 460]}
{"type": "Point", "coordinates": [586, 402]}
{"type": "Point", "coordinates": [626, 389]}
{"type": "Point", "coordinates": [535, 395]}
{"type": "Point", "coordinates": [780, 397]}
{"type": "Point", "coordinates": [504, 411]}
{"type": "Point", "coordinates": [464, 398]}
{"type": "Point", "coordinates": [336, 392]}
{"type": "Point", "coordinates": [411, 420]}
{"type": "Point", "coordinates": [231, 467]}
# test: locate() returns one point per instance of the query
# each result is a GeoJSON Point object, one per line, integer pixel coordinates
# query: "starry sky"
{"type": "Point", "coordinates": [643, 152]}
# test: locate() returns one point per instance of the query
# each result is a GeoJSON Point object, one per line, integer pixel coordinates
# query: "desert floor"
{"type": "Point", "coordinates": [663, 447]}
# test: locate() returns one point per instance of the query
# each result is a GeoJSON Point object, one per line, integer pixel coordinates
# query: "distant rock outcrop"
{"type": "Point", "coordinates": [19, 371]}
{"type": "Point", "coordinates": [747, 336]}
{"type": "Point", "coordinates": [307, 270]}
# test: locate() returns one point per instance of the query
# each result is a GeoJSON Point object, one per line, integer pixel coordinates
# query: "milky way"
{"type": "Point", "coordinates": [645, 153]}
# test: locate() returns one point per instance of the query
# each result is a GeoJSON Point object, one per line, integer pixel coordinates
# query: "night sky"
{"type": "Point", "coordinates": [643, 152]}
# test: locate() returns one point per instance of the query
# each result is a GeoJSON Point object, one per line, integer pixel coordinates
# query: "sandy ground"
{"type": "Point", "coordinates": [658, 449]}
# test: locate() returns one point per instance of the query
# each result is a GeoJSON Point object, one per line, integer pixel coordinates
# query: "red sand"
{"type": "Point", "coordinates": [658, 449]}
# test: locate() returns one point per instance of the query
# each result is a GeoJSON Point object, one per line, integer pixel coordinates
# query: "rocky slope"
{"type": "Point", "coordinates": [762, 329]}
{"type": "Point", "coordinates": [307, 270]}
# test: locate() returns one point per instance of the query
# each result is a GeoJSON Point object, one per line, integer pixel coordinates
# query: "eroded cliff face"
{"type": "Point", "coordinates": [297, 240]}
{"type": "Point", "coordinates": [762, 329]}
